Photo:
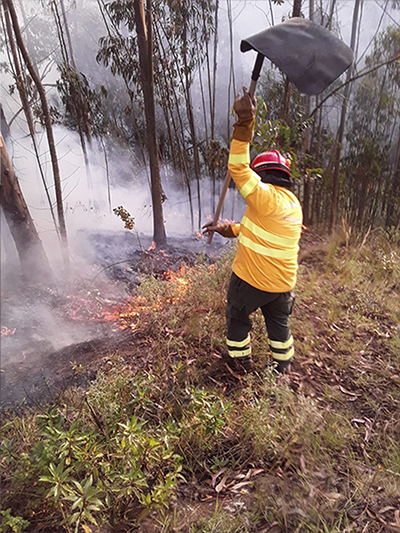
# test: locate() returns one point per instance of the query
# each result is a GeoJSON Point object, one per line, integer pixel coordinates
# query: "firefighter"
{"type": "Point", "coordinates": [264, 269]}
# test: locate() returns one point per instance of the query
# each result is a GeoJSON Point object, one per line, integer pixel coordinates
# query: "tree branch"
{"type": "Point", "coordinates": [360, 75]}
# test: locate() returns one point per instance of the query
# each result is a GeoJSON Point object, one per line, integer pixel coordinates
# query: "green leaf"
{"type": "Point", "coordinates": [73, 518]}
{"type": "Point", "coordinates": [47, 479]}
{"type": "Point", "coordinates": [78, 486]}
{"type": "Point", "coordinates": [88, 516]}
{"type": "Point", "coordinates": [77, 503]}
{"type": "Point", "coordinates": [88, 484]}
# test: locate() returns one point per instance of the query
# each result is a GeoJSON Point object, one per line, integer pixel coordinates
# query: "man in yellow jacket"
{"type": "Point", "coordinates": [265, 266]}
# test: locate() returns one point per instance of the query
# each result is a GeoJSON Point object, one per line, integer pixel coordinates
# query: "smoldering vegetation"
{"type": "Point", "coordinates": [53, 328]}
{"type": "Point", "coordinates": [109, 168]}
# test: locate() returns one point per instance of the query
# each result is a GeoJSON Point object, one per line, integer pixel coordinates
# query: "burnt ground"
{"type": "Point", "coordinates": [57, 336]}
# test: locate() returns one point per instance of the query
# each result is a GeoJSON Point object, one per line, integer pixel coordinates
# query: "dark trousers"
{"type": "Point", "coordinates": [243, 299]}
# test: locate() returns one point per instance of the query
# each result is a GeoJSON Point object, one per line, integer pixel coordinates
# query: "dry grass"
{"type": "Point", "coordinates": [317, 454]}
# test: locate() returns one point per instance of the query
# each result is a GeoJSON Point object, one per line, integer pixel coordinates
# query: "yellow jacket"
{"type": "Point", "coordinates": [269, 231]}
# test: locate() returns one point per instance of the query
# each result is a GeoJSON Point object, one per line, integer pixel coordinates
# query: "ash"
{"type": "Point", "coordinates": [126, 256]}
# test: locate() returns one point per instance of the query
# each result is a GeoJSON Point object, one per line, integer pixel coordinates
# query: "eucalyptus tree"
{"type": "Point", "coordinates": [184, 31]}
{"type": "Point", "coordinates": [128, 50]}
{"type": "Point", "coordinates": [179, 27]}
{"type": "Point", "coordinates": [8, 4]}
{"type": "Point", "coordinates": [24, 93]}
{"type": "Point", "coordinates": [340, 134]}
{"type": "Point", "coordinates": [118, 52]}
{"type": "Point", "coordinates": [297, 4]}
{"type": "Point", "coordinates": [372, 180]}
{"type": "Point", "coordinates": [72, 85]}
{"type": "Point", "coordinates": [33, 259]}
{"type": "Point", "coordinates": [144, 29]}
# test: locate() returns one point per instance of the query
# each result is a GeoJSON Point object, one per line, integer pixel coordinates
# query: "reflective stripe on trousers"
{"type": "Point", "coordinates": [282, 351]}
{"type": "Point", "coordinates": [239, 348]}
{"type": "Point", "coordinates": [242, 300]}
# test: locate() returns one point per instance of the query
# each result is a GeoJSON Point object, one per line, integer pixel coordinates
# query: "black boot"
{"type": "Point", "coordinates": [238, 364]}
{"type": "Point", "coordinates": [283, 366]}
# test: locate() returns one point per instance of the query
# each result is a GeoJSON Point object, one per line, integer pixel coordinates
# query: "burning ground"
{"type": "Point", "coordinates": [50, 334]}
{"type": "Point", "coordinates": [163, 437]}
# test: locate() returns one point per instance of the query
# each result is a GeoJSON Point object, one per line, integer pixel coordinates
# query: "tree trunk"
{"type": "Point", "coordinates": [70, 47]}
{"type": "Point", "coordinates": [339, 140]}
{"type": "Point", "coordinates": [307, 145]}
{"type": "Point", "coordinates": [48, 126]}
{"type": "Point", "coordinates": [192, 128]}
{"type": "Point", "coordinates": [23, 94]}
{"type": "Point", "coordinates": [232, 81]}
{"type": "Point", "coordinates": [214, 89]}
{"type": "Point", "coordinates": [288, 86]}
{"type": "Point", "coordinates": [145, 44]}
{"type": "Point", "coordinates": [4, 128]}
{"type": "Point", "coordinates": [116, 58]}
{"type": "Point", "coordinates": [34, 263]}
{"type": "Point", "coordinates": [171, 94]}
{"type": "Point", "coordinates": [395, 189]}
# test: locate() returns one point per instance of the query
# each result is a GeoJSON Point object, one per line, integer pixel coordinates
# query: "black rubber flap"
{"type": "Point", "coordinates": [309, 54]}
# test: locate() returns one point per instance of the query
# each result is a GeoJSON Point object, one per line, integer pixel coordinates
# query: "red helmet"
{"type": "Point", "coordinates": [271, 160]}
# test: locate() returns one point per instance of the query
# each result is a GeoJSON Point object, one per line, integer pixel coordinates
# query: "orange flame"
{"type": "Point", "coordinates": [227, 221]}
{"type": "Point", "coordinates": [7, 332]}
{"type": "Point", "coordinates": [126, 315]}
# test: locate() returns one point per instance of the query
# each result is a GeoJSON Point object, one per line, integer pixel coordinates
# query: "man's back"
{"type": "Point", "coordinates": [270, 230]}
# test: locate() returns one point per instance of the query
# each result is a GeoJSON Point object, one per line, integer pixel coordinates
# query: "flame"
{"type": "Point", "coordinates": [82, 309]}
{"type": "Point", "coordinates": [199, 235]}
{"type": "Point", "coordinates": [7, 332]}
{"type": "Point", "coordinates": [152, 247]}
{"type": "Point", "coordinates": [181, 282]}
{"type": "Point", "coordinates": [91, 307]}
{"type": "Point", "coordinates": [227, 221]}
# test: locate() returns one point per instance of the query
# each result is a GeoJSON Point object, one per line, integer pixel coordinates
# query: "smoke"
{"type": "Point", "coordinates": [41, 315]}
{"type": "Point", "coordinates": [90, 194]}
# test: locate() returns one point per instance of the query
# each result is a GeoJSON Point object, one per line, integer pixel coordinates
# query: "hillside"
{"type": "Point", "coordinates": [165, 438]}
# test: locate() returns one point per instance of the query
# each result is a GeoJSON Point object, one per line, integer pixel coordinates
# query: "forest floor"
{"type": "Point", "coordinates": [144, 428]}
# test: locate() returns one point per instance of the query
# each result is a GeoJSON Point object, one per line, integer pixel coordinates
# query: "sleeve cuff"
{"type": "Point", "coordinates": [229, 231]}
{"type": "Point", "coordinates": [243, 131]}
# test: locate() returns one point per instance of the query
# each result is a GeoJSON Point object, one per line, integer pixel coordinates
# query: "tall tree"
{"type": "Point", "coordinates": [307, 143]}
{"type": "Point", "coordinates": [288, 86]}
{"type": "Point", "coordinates": [372, 127]}
{"type": "Point", "coordinates": [48, 126]}
{"type": "Point", "coordinates": [73, 87]}
{"type": "Point", "coordinates": [340, 134]}
{"type": "Point", "coordinates": [144, 28]}
{"type": "Point", "coordinates": [213, 95]}
{"type": "Point", "coordinates": [33, 259]}
{"type": "Point", "coordinates": [23, 94]}
{"type": "Point", "coordinates": [394, 196]}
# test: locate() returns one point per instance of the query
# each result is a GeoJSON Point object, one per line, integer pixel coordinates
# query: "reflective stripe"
{"type": "Point", "coordinates": [283, 356]}
{"type": "Point", "coordinates": [238, 344]}
{"type": "Point", "coordinates": [260, 232]}
{"type": "Point", "coordinates": [249, 186]}
{"type": "Point", "coordinates": [281, 345]}
{"type": "Point", "coordinates": [239, 159]}
{"type": "Point", "coordinates": [239, 353]}
{"type": "Point", "coordinates": [263, 250]}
